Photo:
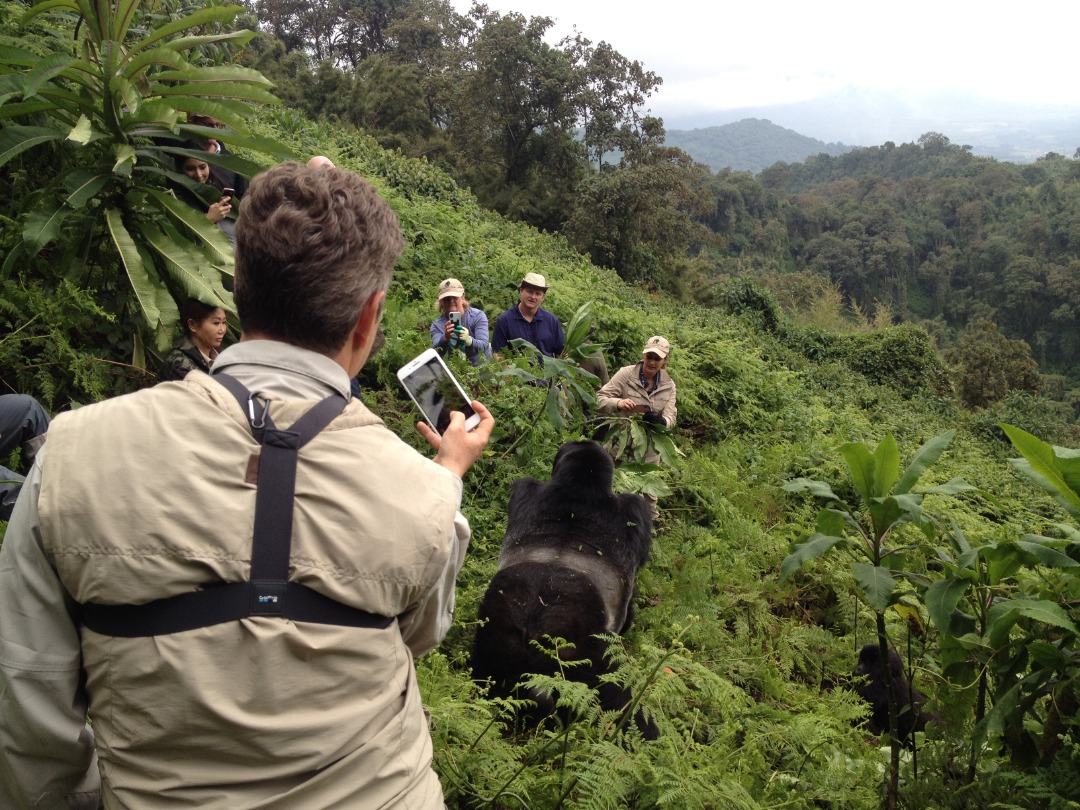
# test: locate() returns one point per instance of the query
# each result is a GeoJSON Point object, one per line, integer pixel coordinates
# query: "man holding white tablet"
{"type": "Point", "coordinates": [239, 610]}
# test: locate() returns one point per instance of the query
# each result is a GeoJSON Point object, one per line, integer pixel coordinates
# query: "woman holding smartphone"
{"type": "Point", "coordinates": [459, 326]}
{"type": "Point", "coordinates": [218, 211]}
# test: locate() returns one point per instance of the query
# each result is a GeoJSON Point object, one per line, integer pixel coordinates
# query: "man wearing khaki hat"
{"type": "Point", "coordinates": [529, 321]}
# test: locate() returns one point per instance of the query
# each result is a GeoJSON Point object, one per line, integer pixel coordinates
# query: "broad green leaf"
{"type": "Point", "coordinates": [18, 57]}
{"type": "Point", "coordinates": [1004, 614]}
{"type": "Point", "coordinates": [47, 6]}
{"type": "Point", "coordinates": [1047, 468]}
{"type": "Point", "coordinates": [15, 140]}
{"type": "Point", "coordinates": [1043, 554]}
{"type": "Point", "coordinates": [197, 223]}
{"type": "Point", "coordinates": [941, 600]}
{"type": "Point", "coordinates": [201, 17]}
{"type": "Point", "coordinates": [819, 489]}
{"type": "Point", "coordinates": [241, 37]}
{"type": "Point", "coordinates": [885, 513]}
{"type": "Point", "coordinates": [669, 453]}
{"type": "Point", "coordinates": [236, 90]}
{"type": "Point", "coordinates": [1003, 560]}
{"type": "Point", "coordinates": [155, 56]}
{"type": "Point", "coordinates": [831, 522]}
{"type": "Point", "coordinates": [23, 108]}
{"type": "Point", "coordinates": [861, 468]}
{"type": "Point", "coordinates": [954, 486]}
{"type": "Point", "coordinates": [214, 73]}
{"type": "Point", "coordinates": [639, 438]}
{"type": "Point", "coordinates": [552, 410]}
{"type": "Point", "coordinates": [81, 132]}
{"type": "Point", "coordinates": [925, 458]}
{"type": "Point", "coordinates": [876, 584]}
{"type": "Point", "coordinates": [123, 13]}
{"type": "Point", "coordinates": [43, 71]}
{"type": "Point", "coordinates": [815, 546]}
{"type": "Point", "coordinates": [43, 224]}
{"type": "Point", "coordinates": [182, 262]}
{"type": "Point", "coordinates": [886, 466]}
{"type": "Point", "coordinates": [152, 112]}
{"type": "Point", "coordinates": [1047, 654]}
{"type": "Point", "coordinates": [141, 283]}
{"type": "Point", "coordinates": [125, 160]}
{"type": "Point", "coordinates": [81, 186]}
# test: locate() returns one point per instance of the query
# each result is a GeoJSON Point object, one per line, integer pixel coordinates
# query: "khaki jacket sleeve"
{"type": "Point", "coordinates": [426, 625]}
{"type": "Point", "coordinates": [47, 757]}
{"type": "Point", "coordinates": [607, 398]}
{"type": "Point", "coordinates": [670, 412]}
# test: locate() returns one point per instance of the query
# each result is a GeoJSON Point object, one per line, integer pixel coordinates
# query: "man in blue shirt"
{"type": "Point", "coordinates": [528, 321]}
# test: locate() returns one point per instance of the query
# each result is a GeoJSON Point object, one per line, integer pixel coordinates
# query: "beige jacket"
{"type": "Point", "coordinates": [260, 713]}
{"type": "Point", "coordinates": [626, 384]}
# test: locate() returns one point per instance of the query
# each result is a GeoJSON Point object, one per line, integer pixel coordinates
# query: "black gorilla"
{"type": "Point", "coordinates": [569, 558]}
{"type": "Point", "coordinates": [909, 700]}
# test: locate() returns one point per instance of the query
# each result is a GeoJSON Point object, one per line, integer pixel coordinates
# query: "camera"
{"type": "Point", "coordinates": [454, 318]}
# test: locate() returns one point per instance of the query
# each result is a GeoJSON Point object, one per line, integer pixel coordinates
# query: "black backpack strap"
{"type": "Point", "coordinates": [269, 593]}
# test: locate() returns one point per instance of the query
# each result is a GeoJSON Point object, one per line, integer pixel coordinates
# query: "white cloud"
{"type": "Point", "coordinates": [741, 54]}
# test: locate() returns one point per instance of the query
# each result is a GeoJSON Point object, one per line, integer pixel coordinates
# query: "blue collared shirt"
{"type": "Point", "coordinates": [544, 331]}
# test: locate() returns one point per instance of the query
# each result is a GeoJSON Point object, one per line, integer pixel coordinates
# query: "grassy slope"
{"type": "Point", "coordinates": [740, 666]}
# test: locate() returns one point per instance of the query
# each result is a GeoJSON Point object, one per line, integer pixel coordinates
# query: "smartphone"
{"type": "Point", "coordinates": [436, 391]}
{"type": "Point", "coordinates": [454, 317]}
{"type": "Point", "coordinates": [228, 192]}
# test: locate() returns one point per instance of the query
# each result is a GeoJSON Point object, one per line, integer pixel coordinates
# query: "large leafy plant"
{"type": "Point", "coordinates": [102, 105]}
{"type": "Point", "coordinates": [868, 529]}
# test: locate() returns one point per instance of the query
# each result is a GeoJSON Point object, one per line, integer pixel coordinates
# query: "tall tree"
{"type": "Point", "coordinates": [609, 94]}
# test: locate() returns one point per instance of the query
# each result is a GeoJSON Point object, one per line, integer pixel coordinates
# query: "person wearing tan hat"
{"type": "Point", "coordinates": [529, 321]}
{"type": "Point", "coordinates": [460, 325]}
{"type": "Point", "coordinates": [643, 388]}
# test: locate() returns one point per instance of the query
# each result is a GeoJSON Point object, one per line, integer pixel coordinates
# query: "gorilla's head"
{"type": "Point", "coordinates": [585, 466]}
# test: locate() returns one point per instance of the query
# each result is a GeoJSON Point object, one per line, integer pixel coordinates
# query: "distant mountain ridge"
{"type": "Point", "coordinates": [752, 144]}
{"type": "Point", "coordinates": [1009, 131]}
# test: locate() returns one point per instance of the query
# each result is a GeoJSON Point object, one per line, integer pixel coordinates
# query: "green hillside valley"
{"type": "Point", "coordinates": [877, 357]}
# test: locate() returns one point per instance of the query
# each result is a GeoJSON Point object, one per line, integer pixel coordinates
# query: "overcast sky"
{"type": "Point", "coordinates": [743, 53]}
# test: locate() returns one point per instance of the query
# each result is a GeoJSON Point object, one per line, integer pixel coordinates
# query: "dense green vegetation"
{"type": "Point", "coordinates": [779, 381]}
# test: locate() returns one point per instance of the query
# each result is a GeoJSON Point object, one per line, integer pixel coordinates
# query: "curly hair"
{"type": "Point", "coordinates": [312, 247]}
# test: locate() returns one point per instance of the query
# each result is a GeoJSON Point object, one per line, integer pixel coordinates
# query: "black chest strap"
{"type": "Point", "coordinates": [268, 593]}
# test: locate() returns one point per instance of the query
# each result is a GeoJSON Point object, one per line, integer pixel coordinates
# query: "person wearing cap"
{"type": "Point", "coordinates": [643, 388]}
{"type": "Point", "coordinates": [529, 321]}
{"type": "Point", "coordinates": [470, 334]}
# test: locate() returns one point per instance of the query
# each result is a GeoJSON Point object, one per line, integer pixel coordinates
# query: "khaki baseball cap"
{"type": "Point", "coordinates": [450, 287]}
{"type": "Point", "coordinates": [657, 345]}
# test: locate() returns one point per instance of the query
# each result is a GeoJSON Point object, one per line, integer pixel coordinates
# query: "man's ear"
{"type": "Point", "coordinates": [368, 322]}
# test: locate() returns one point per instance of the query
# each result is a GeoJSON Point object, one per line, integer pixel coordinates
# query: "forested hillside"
{"type": "Point", "coordinates": [750, 145]}
{"type": "Point", "coordinates": [752, 610]}
{"type": "Point", "coordinates": [924, 232]}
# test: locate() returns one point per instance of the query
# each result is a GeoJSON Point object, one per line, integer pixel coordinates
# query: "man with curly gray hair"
{"type": "Point", "coordinates": [238, 612]}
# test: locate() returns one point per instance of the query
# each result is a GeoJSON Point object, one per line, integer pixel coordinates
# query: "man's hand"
{"type": "Point", "coordinates": [458, 448]}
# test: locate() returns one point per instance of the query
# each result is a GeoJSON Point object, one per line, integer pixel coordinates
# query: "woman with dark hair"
{"type": "Point", "coordinates": [204, 329]}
